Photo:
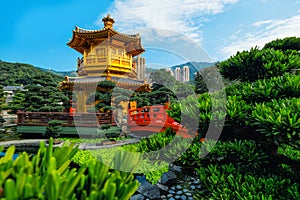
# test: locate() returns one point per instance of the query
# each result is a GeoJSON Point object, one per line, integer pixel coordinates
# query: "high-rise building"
{"type": "Point", "coordinates": [171, 71]}
{"type": "Point", "coordinates": [178, 74]}
{"type": "Point", "coordinates": [140, 67]}
{"type": "Point", "coordinates": [185, 74]}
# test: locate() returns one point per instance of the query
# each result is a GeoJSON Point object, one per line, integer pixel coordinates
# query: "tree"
{"type": "Point", "coordinates": [22, 74]}
{"type": "Point", "coordinates": [164, 78]}
{"type": "Point", "coordinates": [102, 97]}
{"type": "Point", "coordinates": [17, 102]}
{"type": "Point", "coordinates": [200, 85]}
{"type": "Point", "coordinates": [2, 99]}
{"type": "Point", "coordinates": [43, 95]}
{"type": "Point", "coordinates": [258, 64]}
{"type": "Point", "coordinates": [54, 129]}
{"type": "Point", "coordinates": [289, 43]}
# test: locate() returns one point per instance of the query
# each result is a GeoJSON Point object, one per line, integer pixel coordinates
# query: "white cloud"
{"type": "Point", "coordinates": [182, 16]}
{"type": "Point", "coordinates": [264, 32]}
{"type": "Point", "coordinates": [259, 23]}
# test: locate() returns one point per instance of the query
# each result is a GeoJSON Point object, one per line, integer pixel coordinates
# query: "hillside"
{"type": "Point", "coordinates": [22, 74]}
{"type": "Point", "coordinates": [60, 73]}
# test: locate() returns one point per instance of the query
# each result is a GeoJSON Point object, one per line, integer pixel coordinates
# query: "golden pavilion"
{"type": "Point", "coordinates": [106, 55]}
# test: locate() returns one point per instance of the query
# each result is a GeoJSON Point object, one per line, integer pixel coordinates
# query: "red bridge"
{"type": "Point", "coordinates": [153, 119]}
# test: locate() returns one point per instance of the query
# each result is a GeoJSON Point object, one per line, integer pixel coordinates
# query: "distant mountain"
{"type": "Point", "coordinates": [61, 73]}
{"type": "Point", "coordinates": [22, 74]}
{"type": "Point", "coordinates": [194, 67]}
{"type": "Point", "coordinates": [150, 70]}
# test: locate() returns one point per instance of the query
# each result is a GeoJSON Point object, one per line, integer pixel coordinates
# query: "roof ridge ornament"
{"type": "Point", "coordinates": [108, 22]}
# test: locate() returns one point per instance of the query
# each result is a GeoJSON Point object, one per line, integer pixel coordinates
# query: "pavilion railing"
{"type": "Point", "coordinates": [67, 119]}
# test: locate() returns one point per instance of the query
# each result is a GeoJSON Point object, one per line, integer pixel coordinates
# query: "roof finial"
{"type": "Point", "coordinates": [108, 22]}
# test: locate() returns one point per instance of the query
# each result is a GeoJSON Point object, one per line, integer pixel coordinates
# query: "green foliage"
{"type": "Point", "coordinates": [159, 95]}
{"type": "Point", "coordinates": [238, 112]}
{"type": "Point", "coordinates": [243, 154]}
{"type": "Point", "coordinates": [200, 85]}
{"type": "Point", "coordinates": [155, 142]}
{"type": "Point", "coordinates": [153, 171]}
{"type": "Point", "coordinates": [263, 90]}
{"type": "Point", "coordinates": [17, 102]}
{"type": "Point", "coordinates": [2, 120]}
{"type": "Point", "coordinates": [289, 151]}
{"type": "Point", "coordinates": [279, 120]}
{"type": "Point", "coordinates": [209, 109]}
{"type": "Point", "coordinates": [288, 43]}
{"type": "Point", "coordinates": [163, 77]}
{"type": "Point", "coordinates": [22, 74]}
{"type": "Point", "coordinates": [43, 95]}
{"type": "Point", "coordinates": [102, 97]}
{"type": "Point", "coordinates": [228, 182]}
{"type": "Point", "coordinates": [258, 64]}
{"type": "Point", "coordinates": [53, 129]}
{"type": "Point", "coordinates": [47, 175]}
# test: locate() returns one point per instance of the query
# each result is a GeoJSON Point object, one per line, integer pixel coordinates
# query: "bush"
{"type": "Point", "coordinates": [264, 90]}
{"type": "Point", "coordinates": [228, 182]}
{"type": "Point", "coordinates": [53, 129]}
{"type": "Point", "coordinates": [279, 120]}
{"type": "Point", "coordinates": [243, 154]}
{"type": "Point", "coordinates": [259, 64]}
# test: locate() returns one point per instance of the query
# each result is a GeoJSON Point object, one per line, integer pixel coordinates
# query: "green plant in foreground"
{"type": "Point", "coordinates": [48, 175]}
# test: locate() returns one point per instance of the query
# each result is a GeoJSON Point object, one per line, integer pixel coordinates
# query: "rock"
{"type": "Point", "coordinates": [148, 190]}
{"type": "Point", "coordinates": [178, 187]}
{"type": "Point", "coordinates": [137, 197]}
{"type": "Point", "coordinates": [175, 168]}
{"type": "Point", "coordinates": [173, 188]}
{"type": "Point", "coordinates": [190, 198]}
{"type": "Point", "coordinates": [179, 192]}
{"type": "Point", "coordinates": [177, 197]}
{"type": "Point", "coordinates": [167, 177]}
{"type": "Point", "coordinates": [185, 190]}
{"type": "Point", "coordinates": [193, 187]}
{"type": "Point", "coordinates": [170, 195]}
{"type": "Point", "coordinates": [183, 197]}
{"type": "Point", "coordinates": [171, 198]}
{"type": "Point", "coordinates": [188, 194]}
{"type": "Point", "coordinates": [196, 182]}
{"type": "Point", "coordinates": [163, 197]}
{"type": "Point", "coordinates": [171, 192]}
{"type": "Point", "coordinates": [162, 187]}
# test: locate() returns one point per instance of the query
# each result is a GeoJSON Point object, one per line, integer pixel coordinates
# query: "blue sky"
{"type": "Point", "coordinates": [172, 31]}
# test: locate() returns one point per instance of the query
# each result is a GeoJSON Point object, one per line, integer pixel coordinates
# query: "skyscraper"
{"type": "Point", "coordinates": [178, 74]}
{"type": "Point", "coordinates": [140, 67]}
{"type": "Point", "coordinates": [185, 74]}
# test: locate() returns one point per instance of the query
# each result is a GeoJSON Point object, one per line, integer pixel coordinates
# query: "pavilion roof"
{"type": "Point", "coordinates": [82, 38]}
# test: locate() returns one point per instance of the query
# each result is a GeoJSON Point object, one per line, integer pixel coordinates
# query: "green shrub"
{"type": "Point", "coordinates": [264, 90]}
{"type": "Point", "coordinates": [238, 112]}
{"type": "Point", "coordinates": [243, 154]}
{"type": "Point", "coordinates": [279, 120]}
{"type": "Point", "coordinates": [289, 151]}
{"type": "Point", "coordinates": [48, 175]}
{"type": "Point", "coordinates": [155, 141]}
{"type": "Point", "coordinates": [228, 182]}
{"type": "Point", "coordinates": [53, 129]}
{"type": "Point", "coordinates": [259, 64]}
